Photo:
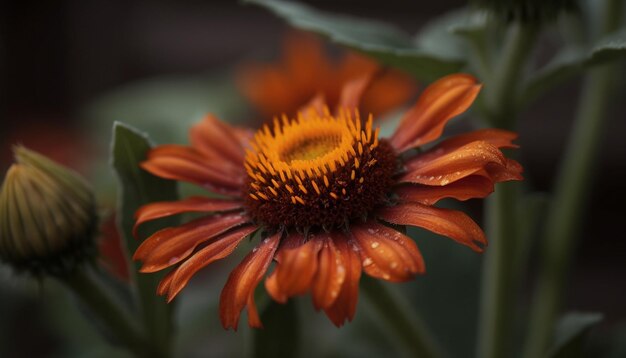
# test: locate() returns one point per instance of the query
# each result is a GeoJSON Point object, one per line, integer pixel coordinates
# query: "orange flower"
{"type": "Point", "coordinates": [306, 71]}
{"type": "Point", "coordinates": [323, 193]}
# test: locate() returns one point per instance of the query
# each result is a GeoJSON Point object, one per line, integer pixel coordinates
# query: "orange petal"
{"type": "Point", "coordinates": [218, 249]}
{"type": "Point", "coordinates": [440, 102]}
{"type": "Point", "coordinates": [451, 223]}
{"type": "Point", "coordinates": [317, 104]}
{"type": "Point", "coordinates": [165, 283]}
{"type": "Point", "coordinates": [295, 268]}
{"type": "Point", "coordinates": [473, 186]}
{"type": "Point", "coordinates": [162, 209]}
{"type": "Point", "coordinates": [352, 92]}
{"type": "Point", "coordinates": [497, 137]}
{"type": "Point", "coordinates": [201, 172]}
{"type": "Point", "coordinates": [215, 137]}
{"type": "Point", "coordinates": [387, 253]}
{"type": "Point", "coordinates": [304, 60]}
{"type": "Point", "coordinates": [171, 245]}
{"type": "Point", "coordinates": [511, 170]}
{"type": "Point", "coordinates": [239, 289]}
{"type": "Point", "coordinates": [268, 88]}
{"type": "Point", "coordinates": [432, 168]}
{"type": "Point", "coordinates": [344, 306]}
{"type": "Point", "coordinates": [389, 89]}
{"type": "Point", "coordinates": [330, 276]}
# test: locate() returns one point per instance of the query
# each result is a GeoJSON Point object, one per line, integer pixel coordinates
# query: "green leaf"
{"type": "Point", "coordinates": [281, 333]}
{"type": "Point", "coordinates": [440, 36]}
{"type": "Point", "coordinates": [136, 188]}
{"type": "Point", "coordinates": [570, 334]}
{"type": "Point", "coordinates": [572, 61]}
{"type": "Point", "coordinates": [379, 40]}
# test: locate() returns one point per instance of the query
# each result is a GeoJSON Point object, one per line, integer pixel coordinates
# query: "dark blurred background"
{"type": "Point", "coordinates": [62, 62]}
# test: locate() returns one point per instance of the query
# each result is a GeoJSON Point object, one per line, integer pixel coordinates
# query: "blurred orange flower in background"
{"type": "Point", "coordinates": [322, 190]}
{"type": "Point", "coordinates": [306, 70]}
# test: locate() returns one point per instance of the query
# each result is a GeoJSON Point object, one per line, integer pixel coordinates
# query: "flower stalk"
{"type": "Point", "coordinates": [560, 236]}
{"type": "Point", "coordinates": [406, 324]}
{"type": "Point", "coordinates": [108, 308]}
{"type": "Point", "coordinates": [498, 299]}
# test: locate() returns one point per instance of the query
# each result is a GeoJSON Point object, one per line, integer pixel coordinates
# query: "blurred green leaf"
{"type": "Point", "coordinates": [379, 40]}
{"type": "Point", "coordinates": [166, 106]}
{"type": "Point", "coordinates": [570, 333]}
{"type": "Point", "coordinates": [136, 188]}
{"type": "Point", "coordinates": [440, 36]}
{"type": "Point", "coordinates": [572, 61]}
{"type": "Point", "coordinates": [281, 333]}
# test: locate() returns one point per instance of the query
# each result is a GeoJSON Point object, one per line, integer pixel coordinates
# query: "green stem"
{"type": "Point", "coordinates": [573, 180]}
{"type": "Point", "coordinates": [109, 309]}
{"type": "Point", "coordinates": [401, 319]}
{"type": "Point", "coordinates": [498, 298]}
{"type": "Point", "coordinates": [502, 86]}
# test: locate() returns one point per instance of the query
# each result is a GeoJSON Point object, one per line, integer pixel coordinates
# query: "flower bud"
{"type": "Point", "coordinates": [48, 217]}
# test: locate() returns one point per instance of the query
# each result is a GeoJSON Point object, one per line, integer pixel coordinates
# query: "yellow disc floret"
{"type": "Point", "coordinates": [317, 170]}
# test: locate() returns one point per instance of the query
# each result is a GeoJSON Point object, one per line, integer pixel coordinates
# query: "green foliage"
{"type": "Point", "coordinates": [379, 40]}
{"type": "Point", "coordinates": [572, 61]}
{"type": "Point", "coordinates": [570, 334]}
{"type": "Point", "coordinates": [138, 187]}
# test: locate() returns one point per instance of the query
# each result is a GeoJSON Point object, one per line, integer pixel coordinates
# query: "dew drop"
{"type": "Point", "coordinates": [375, 244]}
{"type": "Point", "coordinates": [393, 265]}
{"type": "Point", "coordinates": [371, 231]}
{"type": "Point", "coordinates": [367, 262]}
{"type": "Point", "coordinates": [386, 276]}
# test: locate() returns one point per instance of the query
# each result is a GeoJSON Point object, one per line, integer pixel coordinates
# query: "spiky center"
{"type": "Point", "coordinates": [317, 171]}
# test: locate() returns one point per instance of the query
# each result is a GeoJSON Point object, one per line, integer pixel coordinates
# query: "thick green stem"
{"type": "Point", "coordinates": [560, 235]}
{"type": "Point", "coordinates": [402, 321]}
{"type": "Point", "coordinates": [498, 298]}
{"type": "Point", "coordinates": [498, 293]}
{"type": "Point", "coordinates": [109, 309]}
{"type": "Point", "coordinates": [563, 220]}
{"type": "Point", "coordinates": [502, 86]}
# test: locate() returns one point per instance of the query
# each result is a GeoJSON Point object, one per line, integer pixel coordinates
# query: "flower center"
{"type": "Point", "coordinates": [317, 171]}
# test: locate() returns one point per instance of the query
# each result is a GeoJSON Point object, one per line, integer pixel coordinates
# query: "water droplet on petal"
{"type": "Point", "coordinates": [367, 262]}
{"type": "Point", "coordinates": [375, 244]}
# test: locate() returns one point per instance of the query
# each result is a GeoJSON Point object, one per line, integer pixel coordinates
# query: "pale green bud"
{"type": "Point", "coordinates": [48, 217]}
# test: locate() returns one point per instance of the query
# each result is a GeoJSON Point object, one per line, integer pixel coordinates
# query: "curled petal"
{"type": "Point", "coordinates": [216, 138]}
{"type": "Point", "coordinates": [387, 253]}
{"type": "Point", "coordinates": [440, 102]}
{"type": "Point", "coordinates": [451, 223]}
{"type": "Point", "coordinates": [165, 283]}
{"type": "Point", "coordinates": [433, 169]}
{"type": "Point", "coordinates": [473, 186]}
{"type": "Point", "coordinates": [511, 170]}
{"type": "Point", "coordinates": [162, 209]}
{"type": "Point", "coordinates": [239, 289]}
{"type": "Point", "coordinates": [344, 306]}
{"type": "Point", "coordinates": [295, 269]}
{"type": "Point", "coordinates": [218, 248]}
{"type": "Point", "coordinates": [331, 274]}
{"type": "Point", "coordinates": [169, 246]}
